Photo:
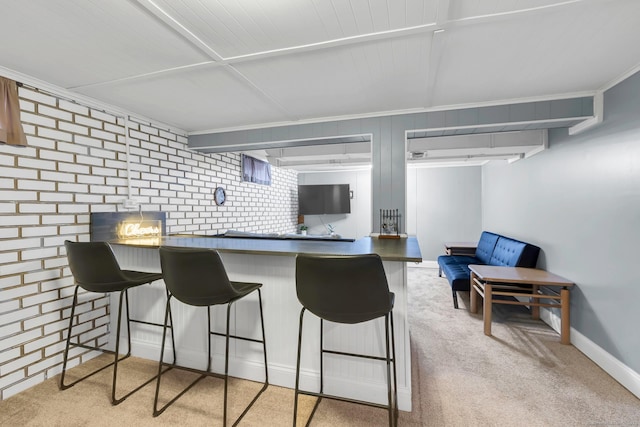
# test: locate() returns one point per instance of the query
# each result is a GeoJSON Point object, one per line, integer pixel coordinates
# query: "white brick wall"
{"type": "Point", "coordinates": [75, 164]}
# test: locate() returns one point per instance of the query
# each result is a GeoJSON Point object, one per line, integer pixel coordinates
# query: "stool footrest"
{"type": "Point", "coordinates": [363, 356]}
{"type": "Point", "coordinates": [342, 399]}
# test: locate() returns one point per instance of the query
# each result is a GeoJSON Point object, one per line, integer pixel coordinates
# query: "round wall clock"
{"type": "Point", "coordinates": [220, 196]}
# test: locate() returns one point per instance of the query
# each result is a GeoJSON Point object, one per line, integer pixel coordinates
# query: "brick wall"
{"type": "Point", "coordinates": [75, 164]}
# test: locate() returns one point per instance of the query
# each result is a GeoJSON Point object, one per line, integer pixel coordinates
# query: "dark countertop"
{"type": "Point", "coordinates": [405, 249]}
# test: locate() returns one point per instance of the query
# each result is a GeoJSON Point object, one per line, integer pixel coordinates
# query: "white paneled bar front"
{"type": "Point", "coordinates": [275, 269]}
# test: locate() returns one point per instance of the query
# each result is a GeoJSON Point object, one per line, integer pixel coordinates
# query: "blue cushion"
{"type": "Point", "coordinates": [507, 252]}
{"type": "Point", "coordinates": [492, 249]}
{"type": "Point", "coordinates": [456, 269]}
{"type": "Point", "coordinates": [485, 246]}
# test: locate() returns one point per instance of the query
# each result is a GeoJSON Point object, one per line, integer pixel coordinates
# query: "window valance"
{"type": "Point", "coordinates": [11, 131]}
{"type": "Point", "coordinates": [255, 170]}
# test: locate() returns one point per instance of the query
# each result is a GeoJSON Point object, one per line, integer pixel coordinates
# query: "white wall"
{"type": "Point", "coordinates": [354, 225]}
{"type": "Point", "coordinates": [443, 205]}
{"type": "Point", "coordinates": [76, 164]}
{"type": "Point", "coordinates": [580, 202]}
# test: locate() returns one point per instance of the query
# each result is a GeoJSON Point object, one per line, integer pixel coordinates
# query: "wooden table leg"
{"type": "Point", "coordinates": [535, 309]}
{"type": "Point", "coordinates": [565, 327]}
{"type": "Point", "coordinates": [486, 314]}
{"type": "Point", "coordinates": [473, 295]}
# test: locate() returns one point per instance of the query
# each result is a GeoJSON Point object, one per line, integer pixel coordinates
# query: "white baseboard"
{"type": "Point", "coordinates": [626, 376]}
{"type": "Point", "coordinates": [424, 264]}
{"type": "Point", "coordinates": [282, 376]}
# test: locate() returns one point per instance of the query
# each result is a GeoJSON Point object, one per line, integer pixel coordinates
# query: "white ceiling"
{"type": "Point", "coordinates": [211, 65]}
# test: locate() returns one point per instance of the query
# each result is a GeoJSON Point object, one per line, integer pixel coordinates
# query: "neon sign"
{"type": "Point", "coordinates": [138, 229]}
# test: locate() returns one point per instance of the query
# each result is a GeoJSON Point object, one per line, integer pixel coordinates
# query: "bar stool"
{"type": "Point", "coordinates": [346, 289]}
{"type": "Point", "coordinates": [95, 269]}
{"type": "Point", "coordinates": [197, 277]}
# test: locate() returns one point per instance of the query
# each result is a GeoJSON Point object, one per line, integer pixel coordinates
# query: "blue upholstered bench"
{"type": "Point", "coordinates": [492, 249]}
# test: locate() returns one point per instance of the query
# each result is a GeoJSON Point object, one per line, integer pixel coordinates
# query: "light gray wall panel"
{"type": "Point", "coordinates": [443, 205]}
{"type": "Point", "coordinates": [388, 141]}
{"type": "Point", "coordinates": [580, 202]}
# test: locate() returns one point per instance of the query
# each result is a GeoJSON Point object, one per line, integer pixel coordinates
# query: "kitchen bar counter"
{"type": "Point", "coordinates": [272, 263]}
{"type": "Point", "coordinates": [406, 249]}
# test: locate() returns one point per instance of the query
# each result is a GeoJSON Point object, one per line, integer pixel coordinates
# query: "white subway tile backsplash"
{"type": "Point", "coordinates": [28, 163]}
{"type": "Point", "coordinates": [72, 148]}
{"type": "Point", "coordinates": [47, 362]}
{"type": "Point", "coordinates": [41, 320]}
{"type": "Point", "coordinates": [20, 291]}
{"type": "Point", "coordinates": [44, 110]}
{"type": "Point", "coordinates": [9, 281]}
{"type": "Point", "coordinates": [18, 173]}
{"type": "Point", "coordinates": [17, 220]}
{"type": "Point", "coordinates": [89, 198]}
{"type": "Point", "coordinates": [58, 219]}
{"type": "Point", "coordinates": [37, 120]}
{"type": "Point", "coordinates": [57, 176]}
{"type": "Point", "coordinates": [12, 378]}
{"type": "Point", "coordinates": [55, 197]}
{"type": "Point", "coordinates": [54, 134]}
{"type": "Point", "coordinates": [88, 141]}
{"type": "Point", "coordinates": [74, 188]}
{"type": "Point", "coordinates": [117, 129]}
{"type": "Point", "coordinates": [73, 168]}
{"type": "Point", "coordinates": [40, 298]}
{"type": "Point", "coordinates": [77, 164]}
{"type": "Point", "coordinates": [73, 128]}
{"type": "Point", "coordinates": [7, 160]}
{"type": "Point", "coordinates": [11, 329]}
{"type": "Point", "coordinates": [73, 107]}
{"type": "Point", "coordinates": [103, 171]}
{"type": "Point", "coordinates": [88, 160]}
{"type": "Point", "coordinates": [103, 135]}
{"type": "Point", "coordinates": [35, 208]}
{"type": "Point", "coordinates": [102, 116]}
{"type": "Point", "coordinates": [10, 207]}
{"type": "Point", "coordinates": [25, 184]}
{"type": "Point", "coordinates": [22, 385]}
{"type": "Point", "coordinates": [87, 121]}
{"type": "Point", "coordinates": [42, 275]}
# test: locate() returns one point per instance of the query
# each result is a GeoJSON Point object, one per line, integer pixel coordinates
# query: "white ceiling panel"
{"type": "Point", "coordinates": [207, 65]}
{"type": "Point", "coordinates": [377, 76]}
{"type": "Point", "coordinates": [465, 9]}
{"type": "Point", "coordinates": [78, 42]}
{"type": "Point", "coordinates": [203, 98]}
{"type": "Point", "coordinates": [243, 27]}
{"type": "Point", "coordinates": [563, 50]}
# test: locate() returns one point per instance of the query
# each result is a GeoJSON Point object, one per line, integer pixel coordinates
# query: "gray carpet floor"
{"type": "Point", "coordinates": [521, 376]}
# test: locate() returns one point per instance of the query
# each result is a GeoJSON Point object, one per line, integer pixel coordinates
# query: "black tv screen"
{"type": "Point", "coordinates": [323, 199]}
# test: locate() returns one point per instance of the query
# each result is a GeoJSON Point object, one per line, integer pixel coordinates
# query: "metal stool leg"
{"type": "Point", "coordinates": [157, 412]}
{"type": "Point", "coordinates": [208, 372]}
{"type": "Point", "coordinates": [226, 366]}
{"type": "Point", "coordinates": [62, 385]}
{"type": "Point", "coordinates": [226, 362]}
{"type": "Point", "coordinates": [297, 386]}
{"type": "Point", "coordinates": [123, 294]}
{"type": "Point", "coordinates": [388, 354]}
{"type": "Point", "coordinates": [173, 338]}
{"type": "Point", "coordinates": [395, 372]}
{"type": "Point", "coordinates": [389, 358]}
{"type": "Point", "coordinates": [264, 340]}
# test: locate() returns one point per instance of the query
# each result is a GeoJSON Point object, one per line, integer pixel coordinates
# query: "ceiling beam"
{"type": "Point", "coordinates": [598, 115]}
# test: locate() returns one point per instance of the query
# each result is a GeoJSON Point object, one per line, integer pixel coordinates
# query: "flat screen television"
{"type": "Point", "coordinates": [323, 199]}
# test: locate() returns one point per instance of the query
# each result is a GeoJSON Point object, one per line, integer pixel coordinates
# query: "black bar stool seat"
{"type": "Point", "coordinates": [197, 277]}
{"type": "Point", "coordinates": [95, 269]}
{"type": "Point", "coordinates": [346, 289]}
